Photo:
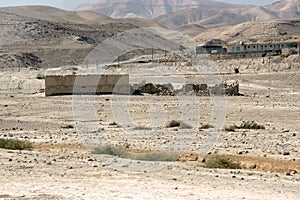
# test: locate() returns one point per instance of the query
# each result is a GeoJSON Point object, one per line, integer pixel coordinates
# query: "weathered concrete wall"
{"type": "Point", "coordinates": [87, 84]}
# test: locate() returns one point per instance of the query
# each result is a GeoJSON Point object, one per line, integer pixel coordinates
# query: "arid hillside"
{"type": "Point", "coordinates": [39, 36]}
{"type": "Point", "coordinates": [174, 13]}
{"type": "Point", "coordinates": [285, 9]}
{"type": "Point", "coordinates": [263, 31]}
{"type": "Point", "coordinates": [149, 8]}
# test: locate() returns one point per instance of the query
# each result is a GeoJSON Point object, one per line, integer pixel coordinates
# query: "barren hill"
{"type": "Point", "coordinates": [237, 16]}
{"type": "Point", "coordinates": [229, 16]}
{"type": "Point", "coordinates": [262, 31]}
{"type": "Point", "coordinates": [185, 17]}
{"type": "Point", "coordinates": [149, 8]}
{"type": "Point", "coordinates": [210, 18]}
{"type": "Point", "coordinates": [191, 30]}
{"type": "Point", "coordinates": [286, 8]}
{"type": "Point", "coordinates": [48, 37]}
{"type": "Point", "coordinates": [57, 15]}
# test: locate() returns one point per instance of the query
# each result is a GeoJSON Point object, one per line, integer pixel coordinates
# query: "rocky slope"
{"type": "Point", "coordinates": [40, 36]}
{"type": "Point", "coordinates": [149, 8]}
{"type": "Point", "coordinates": [279, 10]}
{"type": "Point", "coordinates": [286, 8]}
{"type": "Point", "coordinates": [173, 13]}
{"type": "Point", "coordinates": [263, 31]}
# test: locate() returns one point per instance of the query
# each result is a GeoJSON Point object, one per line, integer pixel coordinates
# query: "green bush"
{"type": "Point", "coordinates": [152, 156]}
{"type": "Point", "coordinates": [221, 163]}
{"type": "Point", "coordinates": [14, 144]}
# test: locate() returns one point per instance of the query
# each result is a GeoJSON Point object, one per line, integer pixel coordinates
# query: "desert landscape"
{"type": "Point", "coordinates": [171, 136]}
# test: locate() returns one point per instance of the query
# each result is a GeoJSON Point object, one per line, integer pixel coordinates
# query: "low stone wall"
{"type": "Point", "coordinates": [87, 85]}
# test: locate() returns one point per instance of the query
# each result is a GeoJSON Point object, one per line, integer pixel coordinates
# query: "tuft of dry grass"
{"type": "Point", "coordinates": [206, 126]}
{"type": "Point", "coordinates": [221, 162]}
{"type": "Point", "coordinates": [144, 156]}
{"type": "Point", "coordinates": [177, 123]}
{"type": "Point", "coordinates": [245, 125]}
{"type": "Point", "coordinates": [14, 144]}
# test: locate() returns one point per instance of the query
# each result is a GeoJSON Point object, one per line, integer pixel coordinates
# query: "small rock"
{"type": "Point", "coordinates": [288, 173]}
{"type": "Point", "coordinates": [286, 153]}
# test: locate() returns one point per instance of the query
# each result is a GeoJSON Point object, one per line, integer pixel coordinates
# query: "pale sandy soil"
{"type": "Point", "coordinates": [61, 167]}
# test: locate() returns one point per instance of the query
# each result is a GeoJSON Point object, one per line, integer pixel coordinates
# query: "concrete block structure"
{"type": "Point", "coordinates": [219, 47]}
{"type": "Point", "coordinates": [87, 85]}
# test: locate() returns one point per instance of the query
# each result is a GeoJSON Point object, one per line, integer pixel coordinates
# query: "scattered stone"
{"type": "Point", "coordinates": [156, 89]}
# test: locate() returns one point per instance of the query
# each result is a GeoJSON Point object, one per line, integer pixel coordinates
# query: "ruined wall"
{"type": "Point", "coordinates": [87, 84]}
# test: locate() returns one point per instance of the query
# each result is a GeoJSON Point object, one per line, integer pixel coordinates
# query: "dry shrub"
{"type": "Point", "coordinates": [14, 144]}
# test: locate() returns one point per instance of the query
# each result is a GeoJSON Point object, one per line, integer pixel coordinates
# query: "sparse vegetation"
{"type": "Point", "coordinates": [221, 162]}
{"type": "Point", "coordinates": [177, 123]}
{"type": "Point", "coordinates": [152, 156]}
{"type": "Point", "coordinates": [142, 128]}
{"type": "Point", "coordinates": [40, 76]}
{"type": "Point", "coordinates": [245, 125]}
{"type": "Point", "coordinates": [14, 144]}
{"type": "Point", "coordinates": [69, 126]}
{"type": "Point", "coordinates": [110, 150]}
{"type": "Point", "coordinates": [230, 128]}
{"type": "Point", "coordinates": [173, 123]}
{"type": "Point", "coordinates": [206, 126]}
{"type": "Point", "coordinates": [250, 125]}
{"type": "Point", "coordinates": [113, 124]}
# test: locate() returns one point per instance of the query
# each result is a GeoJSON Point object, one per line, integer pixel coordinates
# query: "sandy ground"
{"type": "Point", "coordinates": [60, 165]}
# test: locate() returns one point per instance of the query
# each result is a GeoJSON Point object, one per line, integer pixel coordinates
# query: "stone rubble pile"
{"type": "Point", "coordinates": [230, 88]}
